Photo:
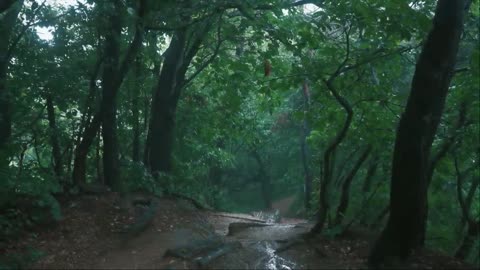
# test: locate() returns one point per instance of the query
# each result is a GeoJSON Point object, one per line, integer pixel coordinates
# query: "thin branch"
{"type": "Point", "coordinates": [210, 60]}
{"type": "Point", "coordinates": [347, 56]}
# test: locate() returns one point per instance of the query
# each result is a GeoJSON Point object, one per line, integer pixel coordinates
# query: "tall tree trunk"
{"type": "Point", "coordinates": [415, 134]}
{"type": "Point", "coordinates": [345, 196]}
{"type": "Point", "coordinates": [160, 134]}
{"type": "Point", "coordinates": [8, 15]}
{"type": "Point", "coordinates": [109, 117]}
{"type": "Point", "coordinates": [183, 47]}
{"type": "Point", "coordinates": [107, 104]}
{"type": "Point", "coordinates": [56, 152]}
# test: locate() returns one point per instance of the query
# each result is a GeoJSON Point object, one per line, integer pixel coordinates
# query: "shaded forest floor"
{"type": "Point", "coordinates": [93, 234]}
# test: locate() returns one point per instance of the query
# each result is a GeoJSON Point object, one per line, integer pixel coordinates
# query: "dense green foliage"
{"type": "Point", "coordinates": [235, 125]}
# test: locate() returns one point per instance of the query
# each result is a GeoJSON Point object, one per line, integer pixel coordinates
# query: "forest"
{"type": "Point", "coordinates": [239, 134]}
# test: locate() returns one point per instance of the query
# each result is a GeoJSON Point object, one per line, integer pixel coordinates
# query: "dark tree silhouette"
{"type": "Point", "coordinates": [416, 132]}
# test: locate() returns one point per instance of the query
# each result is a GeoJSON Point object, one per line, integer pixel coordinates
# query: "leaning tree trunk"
{"type": "Point", "coordinates": [171, 81]}
{"type": "Point", "coordinates": [415, 134]}
{"type": "Point", "coordinates": [8, 15]}
{"type": "Point", "coordinates": [160, 134]}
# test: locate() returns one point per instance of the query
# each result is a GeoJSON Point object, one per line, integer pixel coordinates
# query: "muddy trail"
{"type": "Point", "coordinates": [171, 233]}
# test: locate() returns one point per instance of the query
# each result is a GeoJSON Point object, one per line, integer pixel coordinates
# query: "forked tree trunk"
{"type": "Point", "coordinates": [415, 134]}
{"type": "Point", "coordinates": [107, 106]}
{"type": "Point", "coordinates": [164, 104]}
{"type": "Point", "coordinates": [327, 172]}
{"type": "Point", "coordinates": [171, 81]}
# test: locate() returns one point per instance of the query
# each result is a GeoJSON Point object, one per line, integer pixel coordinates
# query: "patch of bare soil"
{"type": "Point", "coordinates": [93, 227]}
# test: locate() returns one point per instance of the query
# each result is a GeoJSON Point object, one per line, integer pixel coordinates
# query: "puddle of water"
{"type": "Point", "coordinates": [269, 259]}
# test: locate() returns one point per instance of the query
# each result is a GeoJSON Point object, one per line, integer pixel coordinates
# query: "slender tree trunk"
{"type": "Point", "coordinates": [371, 171]}
{"type": "Point", "coordinates": [56, 152]}
{"type": "Point", "coordinates": [327, 172]}
{"type": "Point", "coordinates": [469, 199]}
{"type": "Point", "coordinates": [304, 145]}
{"type": "Point", "coordinates": [415, 134]}
{"type": "Point", "coordinates": [264, 180]}
{"type": "Point", "coordinates": [81, 152]}
{"type": "Point", "coordinates": [468, 241]}
{"type": "Point", "coordinates": [367, 184]}
{"type": "Point", "coordinates": [473, 226]}
{"type": "Point", "coordinates": [345, 196]}
{"type": "Point", "coordinates": [306, 171]}
{"type": "Point", "coordinates": [341, 169]}
{"type": "Point", "coordinates": [8, 16]}
{"type": "Point", "coordinates": [99, 162]}
{"type": "Point", "coordinates": [135, 112]}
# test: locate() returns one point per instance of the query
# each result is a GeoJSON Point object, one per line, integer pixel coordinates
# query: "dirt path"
{"type": "Point", "coordinates": [182, 237]}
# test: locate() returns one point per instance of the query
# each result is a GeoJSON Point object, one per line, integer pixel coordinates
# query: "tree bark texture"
{"type": "Point", "coordinates": [415, 134]}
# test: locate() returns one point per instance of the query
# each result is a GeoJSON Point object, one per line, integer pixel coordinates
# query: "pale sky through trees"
{"type": "Point", "coordinates": [46, 33]}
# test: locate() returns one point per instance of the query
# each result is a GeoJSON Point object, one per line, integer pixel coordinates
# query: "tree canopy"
{"type": "Point", "coordinates": [237, 104]}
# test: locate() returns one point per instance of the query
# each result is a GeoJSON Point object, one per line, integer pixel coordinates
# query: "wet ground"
{"type": "Point", "coordinates": [182, 237]}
